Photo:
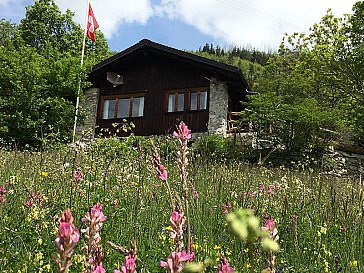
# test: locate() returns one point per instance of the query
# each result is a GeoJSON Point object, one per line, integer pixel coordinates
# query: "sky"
{"type": "Point", "coordinates": [190, 24]}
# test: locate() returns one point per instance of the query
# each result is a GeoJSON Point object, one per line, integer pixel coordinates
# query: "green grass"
{"type": "Point", "coordinates": [311, 209]}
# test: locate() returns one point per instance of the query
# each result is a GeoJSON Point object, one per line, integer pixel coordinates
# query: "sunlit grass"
{"type": "Point", "coordinates": [318, 217]}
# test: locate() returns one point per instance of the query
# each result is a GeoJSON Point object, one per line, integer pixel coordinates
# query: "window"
{"type": "Point", "coordinates": [176, 102]}
{"type": "Point", "coordinates": [122, 107]}
{"type": "Point", "coordinates": [109, 109]}
{"type": "Point", "coordinates": [196, 99]}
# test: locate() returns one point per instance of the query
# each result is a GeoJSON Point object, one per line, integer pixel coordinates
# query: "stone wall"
{"type": "Point", "coordinates": [343, 162]}
{"type": "Point", "coordinates": [218, 107]}
{"type": "Point", "coordinates": [89, 103]}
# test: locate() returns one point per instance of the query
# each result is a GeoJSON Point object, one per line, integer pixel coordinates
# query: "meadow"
{"type": "Point", "coordinates": [318, 217]}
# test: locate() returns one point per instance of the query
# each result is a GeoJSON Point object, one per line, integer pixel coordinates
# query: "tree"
{"type": "Point", "coordinates": [7, 31]}
{"type": "Point", "coordinates": [41, 74]}
{"type": "Point", "coordinates": [311, 87]}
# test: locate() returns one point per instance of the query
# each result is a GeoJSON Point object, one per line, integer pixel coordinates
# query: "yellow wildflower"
{"type": "Point", "coordinates": [196, 246]}
{"type": "Point", "coordinates": [78, 259]}
{"type": "Point", "coordinates": [323, 230]}
{"type": "Point", "coordinates": [44, 174]}
{"type": "Point", "coordinates": [353, 263]}
{"type": "Point", "coordinates": [38, 257]}
{"type": "Point", "coordinates": [216, 247]}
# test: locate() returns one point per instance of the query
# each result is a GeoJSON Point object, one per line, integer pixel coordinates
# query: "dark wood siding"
{"type": "Point", "coordinates": [154, 74]}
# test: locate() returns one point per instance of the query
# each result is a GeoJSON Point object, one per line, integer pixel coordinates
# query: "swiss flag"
{"type": "Point", "coordinates": [92, 24]}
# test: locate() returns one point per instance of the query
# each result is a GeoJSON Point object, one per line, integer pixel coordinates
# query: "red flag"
{"type": "Point", "coordinates": [92, 24]}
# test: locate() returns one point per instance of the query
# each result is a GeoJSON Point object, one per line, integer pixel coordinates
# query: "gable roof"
{"type": "Point", "coordinates": [232, 72]}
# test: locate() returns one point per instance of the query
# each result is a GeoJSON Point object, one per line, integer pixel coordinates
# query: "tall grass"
{"type": "Point", "coordinates": [319, 217]}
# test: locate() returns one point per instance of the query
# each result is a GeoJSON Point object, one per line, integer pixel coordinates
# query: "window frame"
{"type": "Point", "coordinates": [187, 99]}
{"type": "Point", "coordinates": [175, 104]}
{"type": "Point", "coordinates": [116, 98]}
{"type": "Point", "coordinates": [198, 103]}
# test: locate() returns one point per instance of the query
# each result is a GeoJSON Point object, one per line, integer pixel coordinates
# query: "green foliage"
{"type": "Point", "coordinates": [217, 148]}
{"type": "Point", "coordinates": [293, 125]}
{"type": "Point", "coordinates": [313, 88]}
{"type": "Point", "coordinates": [45, 27]}
{"type": "Point", "coordinates": [247, 227]}
{"type": "Point", "coordinates": [252, 70]}
{"type": "Point", "coordinates": [114, 148]}
{"type": "Point", "coordinates": [243, 53]}
{"type": "Point", "coordinates": [7, 31]}
{"type": "Point", "coordinates": [41, 74]}
{"type": "Point", "coordinates": [31, 99]}
{"type": "Point", "coordinates": [313, 212]}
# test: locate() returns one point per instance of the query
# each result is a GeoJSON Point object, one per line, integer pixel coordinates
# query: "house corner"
{"type": "Point", "coordinates": [90, 104]}
{"type": "Point", "coordinates": [218, 107]}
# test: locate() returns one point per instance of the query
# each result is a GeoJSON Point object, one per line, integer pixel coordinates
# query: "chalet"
{"type": "Point", "coordinates": [156, 86]}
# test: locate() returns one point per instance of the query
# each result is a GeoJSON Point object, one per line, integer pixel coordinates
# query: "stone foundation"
{"type": "Point", "coordinates": [218, 107]}
{"type": "Point", "coordinates": [89, 103]}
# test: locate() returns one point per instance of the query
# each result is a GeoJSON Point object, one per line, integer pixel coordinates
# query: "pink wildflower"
{"type": "Point", "coordinates": [262, 188]}
{"type": "Point", "coordinates": [129, 266]}
{"type": "Point", "coordinates": [226, 207]}
{"type": "Point", "coordinates": [161, 171]}
{"type": "Point", "coordinates": [68, 236]}
{"type": "Point", "coordinates": [223, 266]}
{"type": "Point", "coordinates": [271, 229]}
{"type": "Point", "coordinates": [99, 269]}
{"type": "Point", "coordinates": [251, 195]}
{"type": "Point", "coordinates": [78, 175]}
{"type": "Point", "coordinates": [270, 190]}
{"type": "Point", "coordinates": [34, 199]}
{"type": "Point", "coordinates": [28, 203]}
{"type": "Point", "coordinates": [177, 221]}
{"type": "Point", "coordinates": [192, 254]}
{"type": "Point", "coordinates": [175, 261]}
{"type": "Point", "coordinates": [95, 216]}
{"type": "Point", "coordinates": [183, 133]}
{"type": "Point", "coordinates": [270, 224]}
{"type": "Point", "coordinates": [93, 248]}
{"type": "Point", "coordinates": [2, 194]}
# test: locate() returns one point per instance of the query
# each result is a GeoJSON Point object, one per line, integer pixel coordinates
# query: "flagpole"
{"type": "Point", "coordinates": [79, 83]}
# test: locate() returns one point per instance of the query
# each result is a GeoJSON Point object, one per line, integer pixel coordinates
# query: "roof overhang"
{"type": "Point", "coordinates": [231, 74]}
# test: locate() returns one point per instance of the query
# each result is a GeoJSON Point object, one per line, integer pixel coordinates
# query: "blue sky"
{"type": "Point", "coordinates": [189, 24]}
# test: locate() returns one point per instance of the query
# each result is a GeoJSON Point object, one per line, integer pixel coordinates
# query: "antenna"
{"type": "Point", "coordinates": [114, 78]}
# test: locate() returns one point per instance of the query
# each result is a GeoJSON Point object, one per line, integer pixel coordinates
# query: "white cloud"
{"type": "Point", "coordinates": [110, 13]}
{"type": "Point", "coordinates": [259, 23]}
{"type": "Point", "coordinates": [256, 22]}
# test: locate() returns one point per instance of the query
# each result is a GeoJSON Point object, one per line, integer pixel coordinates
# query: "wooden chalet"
{"type": "Point", "coordinates": [156, 86]}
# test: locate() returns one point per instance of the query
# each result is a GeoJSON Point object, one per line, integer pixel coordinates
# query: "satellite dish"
{"type": "Point", "coordinates": [114, 78]}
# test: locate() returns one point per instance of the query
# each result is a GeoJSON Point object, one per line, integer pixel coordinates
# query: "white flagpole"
{"type": "Point", "coordinates": [79, 84]}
